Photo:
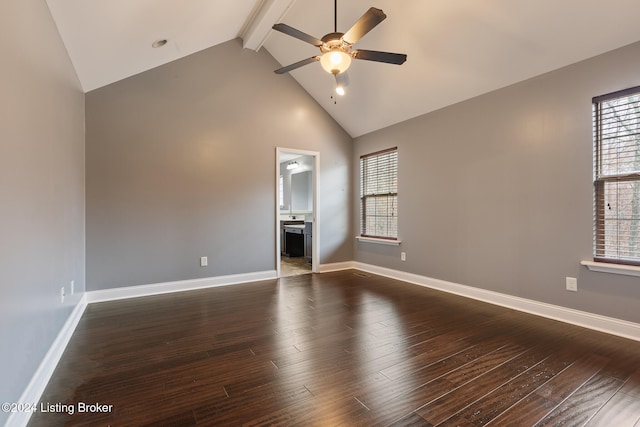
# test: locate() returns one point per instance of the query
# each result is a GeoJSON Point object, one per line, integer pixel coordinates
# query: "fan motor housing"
{"type": "Point", "coordinates": [333, 41]}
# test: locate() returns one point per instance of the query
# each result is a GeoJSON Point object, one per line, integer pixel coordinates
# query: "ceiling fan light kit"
{"type": "Point", "coordinates": [335, 62]}
{"type": "Point", "coordinates": [336, 47]}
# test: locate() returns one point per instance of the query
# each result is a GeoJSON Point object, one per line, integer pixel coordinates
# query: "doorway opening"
{"type": "Point", "coordinates": [297, 225]}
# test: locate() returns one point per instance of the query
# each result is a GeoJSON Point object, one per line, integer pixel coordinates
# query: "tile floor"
{"type": "Point", "coordinates": [293, 266]}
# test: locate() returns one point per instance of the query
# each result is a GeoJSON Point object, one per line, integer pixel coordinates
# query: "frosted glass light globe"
{"type": "Point", "coordinates": [335, 61]}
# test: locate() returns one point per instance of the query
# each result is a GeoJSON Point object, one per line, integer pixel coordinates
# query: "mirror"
{"type": "Point", "coordinates": [301, 191]}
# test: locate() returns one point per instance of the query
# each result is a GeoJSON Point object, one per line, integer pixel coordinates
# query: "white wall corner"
{"type": "Point", "coordinates": [264, 16]}
{"type": "Point", "coordinates": [609, 325]}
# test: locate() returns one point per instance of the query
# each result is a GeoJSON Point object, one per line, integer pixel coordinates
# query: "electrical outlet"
{"type": "Point", "coordinates": [204, 261]}
{"type": "Point", "coordinates": [571, 284]}
{"type": "Point", "coordinates": [403, 256]}
{"type": "Point", "coordinates": [72, 288]}
{"type": "Point", "coordinates": [62, 295]}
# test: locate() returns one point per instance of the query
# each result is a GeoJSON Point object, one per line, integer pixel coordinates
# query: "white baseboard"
{"type": "Point", "coordinates": [40, 379]}
{"type": "Point", "coordinates": [336, 266]}
{"type": "Point", "coordinates": [610, 325]}
{"type": "Point", "coordinates": [177, 286]}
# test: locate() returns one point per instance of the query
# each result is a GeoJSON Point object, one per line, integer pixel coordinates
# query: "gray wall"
{"type": "Point", "coordinates": [181, 164]}
{"type": "Point", "coordinates": [496, 192]}
{"type": "Point", "coordinates": [41, 188]}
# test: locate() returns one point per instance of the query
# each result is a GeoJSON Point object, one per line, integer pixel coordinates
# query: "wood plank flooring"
{"type": "Point", "coordinates": [338, 349]}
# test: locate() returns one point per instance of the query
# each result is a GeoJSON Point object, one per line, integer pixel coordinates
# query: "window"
{"type": "Point", "coordinates": [616, 128]}
{"type": "Point", "coordinates": [379, 194]}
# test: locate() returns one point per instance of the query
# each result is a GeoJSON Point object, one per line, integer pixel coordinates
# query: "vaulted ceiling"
{"type": "Point", "coordinates": [456, 49]}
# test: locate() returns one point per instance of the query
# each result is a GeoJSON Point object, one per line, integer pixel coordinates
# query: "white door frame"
{"type": "Point", "coordinates": [315, 173]}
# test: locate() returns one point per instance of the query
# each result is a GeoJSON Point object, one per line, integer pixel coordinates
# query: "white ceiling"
{"type": "Point", "coordinates": [456, 49]}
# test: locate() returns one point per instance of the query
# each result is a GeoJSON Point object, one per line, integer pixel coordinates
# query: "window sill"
{"type": "Point", "coordinates": [604, 267]}
{"type": "Point", "coordinates": [379, 241]}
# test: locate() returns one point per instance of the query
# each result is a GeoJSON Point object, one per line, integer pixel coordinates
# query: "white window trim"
{"type": "Point", "coordinates": [390, 242]}
{"type": "Point", "coordinates": [601, 261]}
{"type": "Point", "coordinates": [605, 267]}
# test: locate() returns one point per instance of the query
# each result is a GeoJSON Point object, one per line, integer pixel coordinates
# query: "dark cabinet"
{"type": "Point", "coordinates": [289, 245]}
{"type": "Point", "coordinates": [296, 239]}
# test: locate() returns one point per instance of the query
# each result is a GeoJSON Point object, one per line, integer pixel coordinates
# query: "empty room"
{"type": "Point", "coordinates": [328, 213]}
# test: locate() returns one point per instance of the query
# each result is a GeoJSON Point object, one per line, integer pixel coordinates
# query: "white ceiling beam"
{"type": "Point", "coordinates": [257, 30]}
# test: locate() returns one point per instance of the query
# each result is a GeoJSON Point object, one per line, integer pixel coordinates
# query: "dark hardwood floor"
{"type": "Point", "coordinates": [338, 349]}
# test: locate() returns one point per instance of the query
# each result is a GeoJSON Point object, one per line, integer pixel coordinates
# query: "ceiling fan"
{"type": "Point", "coordinates": [336, 48]}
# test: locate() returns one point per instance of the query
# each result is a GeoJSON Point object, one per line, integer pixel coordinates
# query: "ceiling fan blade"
{"type": "Point", "coordinates": [342, 79]}
{"type": "Point", "coordinates": [366, 23]}
{"type": "Point", "coordinates": [290, 31]}
{"type": "Point", "coordinates": [374, 55]}
{"type": "Point", "coordinates": [297, 65]}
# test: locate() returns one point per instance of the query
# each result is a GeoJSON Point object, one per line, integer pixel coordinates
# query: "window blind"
{"type": "Point", "coordinates": [379, 194]}
{"type": "Point", "coordinates": [616, 119]}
